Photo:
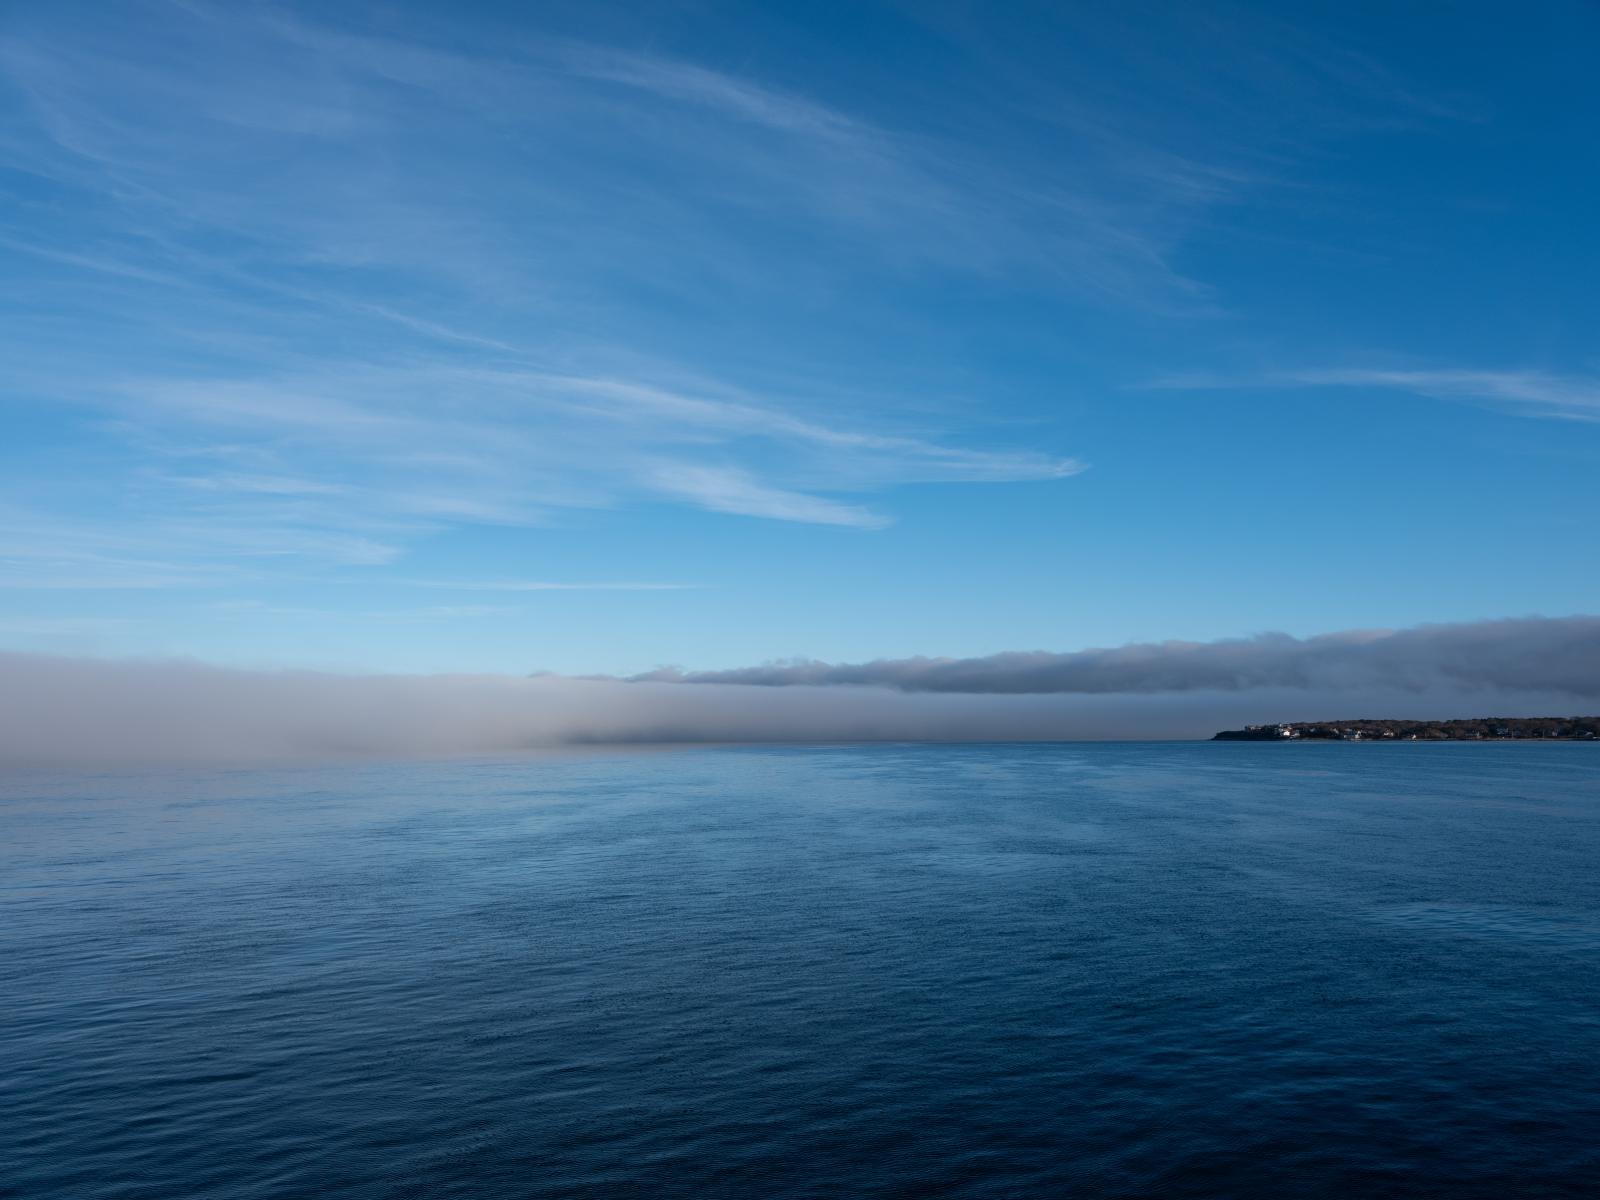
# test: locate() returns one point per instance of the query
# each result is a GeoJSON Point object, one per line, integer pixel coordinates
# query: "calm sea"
{"type": "Point", "coordinates": [1220, 970]}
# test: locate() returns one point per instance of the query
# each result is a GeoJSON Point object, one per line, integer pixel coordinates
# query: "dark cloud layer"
{"type": "Point", "coordinates": [1527, 654]}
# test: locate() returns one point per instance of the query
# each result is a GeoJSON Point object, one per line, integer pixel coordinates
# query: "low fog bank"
{"type": "Point", "coordinates": [62, 712]}
{"type": "Point", "coordinates": [1529, 653]}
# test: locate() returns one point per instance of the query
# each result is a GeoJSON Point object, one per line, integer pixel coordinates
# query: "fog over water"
{"type": "Point", "coordinates": [56, 711]}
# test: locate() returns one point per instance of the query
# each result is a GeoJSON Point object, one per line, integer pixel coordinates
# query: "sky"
{"type": "Point", "coordinates": [600, 339]}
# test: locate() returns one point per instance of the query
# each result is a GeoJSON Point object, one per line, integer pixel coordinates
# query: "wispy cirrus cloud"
{"type": "Point", "coordinates": [349, 465]}
{"type": "Point", "coordinates": [731, 490]}
{"type": "Point", "coordinates": [382, 353]}
{"type": "Point", "coordinates": [320, 284]}
{"type": "Point", "coordinates": [1532, 392]}
{"type": "Point", "coordinates": [327, 108]}
{"type": "Point", "coordinates": [440, 441]}
{"type": "Point", "coordinates": [543, 585]}
{"type": "Point", "coordinates": [1528, 391]}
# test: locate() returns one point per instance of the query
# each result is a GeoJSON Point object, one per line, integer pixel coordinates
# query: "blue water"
{"type": "Point", "coordinates": [1222, 970]}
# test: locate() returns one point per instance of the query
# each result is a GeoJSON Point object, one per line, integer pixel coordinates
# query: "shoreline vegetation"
{"type": "Point", "coordinates": [1474, 729]}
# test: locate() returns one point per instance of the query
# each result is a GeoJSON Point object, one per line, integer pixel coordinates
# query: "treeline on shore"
{"type": "Point", "coordinates": [1583, 729]}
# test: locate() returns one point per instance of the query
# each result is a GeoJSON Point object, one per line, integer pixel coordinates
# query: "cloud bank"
{"type": "Point", "coordinates": [65, 712]}
{"type": "Point", "coordinates": [1527, 654]}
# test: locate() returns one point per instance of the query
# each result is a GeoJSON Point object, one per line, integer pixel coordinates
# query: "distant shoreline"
{"type": "Point", "coordinates": [1473, 729]}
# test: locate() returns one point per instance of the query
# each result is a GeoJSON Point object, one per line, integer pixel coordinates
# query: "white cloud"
{"type": "Point", "coordinates": [1537, 393]}
{"type": "Point", "coordinates": [728, 490]}
{"type": "Point", "coordinates": [1528, 391]}
{"type": "Point", "coordinates": [542, 585]}
{"type": "Point", "coordinates": [350, 463]}
{"type": "Point", "coordinates": [399, 284]}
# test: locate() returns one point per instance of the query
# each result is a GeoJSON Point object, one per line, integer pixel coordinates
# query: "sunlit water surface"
{"type": "Point", "coordinates": [970, 971]}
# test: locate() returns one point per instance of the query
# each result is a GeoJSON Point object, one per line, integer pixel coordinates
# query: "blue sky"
{"type": "Point", "coordinates": [593, 338]}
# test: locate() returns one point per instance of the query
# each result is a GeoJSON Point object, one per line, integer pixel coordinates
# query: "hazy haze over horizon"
{"type": "Point", "coordinates": [58, 711]}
